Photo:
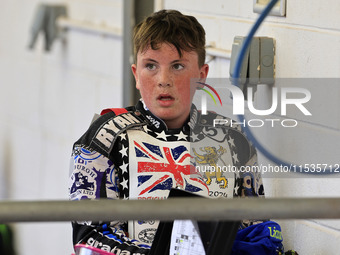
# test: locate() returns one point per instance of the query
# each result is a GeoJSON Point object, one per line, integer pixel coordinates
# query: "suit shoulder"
{"type": "Point", "coordinates": [103, 132]}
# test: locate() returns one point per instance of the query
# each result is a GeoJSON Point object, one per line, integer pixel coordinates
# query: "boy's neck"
{"type": "Point", "coordinates": [161, 125]}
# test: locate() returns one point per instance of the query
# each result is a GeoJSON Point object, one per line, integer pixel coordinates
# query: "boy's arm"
{"type": "Point", "coordinates": [251, 184]}
{"type": "Point", "coordinates": [93, 177]}
{"type": "Point", "coordinates": [248, 183]}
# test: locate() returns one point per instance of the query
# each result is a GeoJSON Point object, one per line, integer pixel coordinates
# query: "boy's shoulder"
{"type": "Point", "coordinates": [116, 119]}
{"type": "Point", "coordinates": [106, 127]}
{"type": "Point", "coordinates": [215, 120]}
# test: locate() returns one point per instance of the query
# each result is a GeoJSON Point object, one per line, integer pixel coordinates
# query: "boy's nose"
{"type": "Point", "coordinates": [165, 78]}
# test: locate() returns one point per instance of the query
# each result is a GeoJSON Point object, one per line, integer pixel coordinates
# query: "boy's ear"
{"type": "Point", "coordinates": [134, 71]}
{"type": "Point", "coordinates": [204, 72]}
{"type": "Point", "coordinates": [203, 75]}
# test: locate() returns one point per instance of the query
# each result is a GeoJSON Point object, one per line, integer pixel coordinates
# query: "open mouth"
{"type": "Point", "coordinates": [164, 97]}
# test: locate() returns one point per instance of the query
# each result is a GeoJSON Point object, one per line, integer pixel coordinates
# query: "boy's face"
{"type": "Point", "coordinates": [163, 79]}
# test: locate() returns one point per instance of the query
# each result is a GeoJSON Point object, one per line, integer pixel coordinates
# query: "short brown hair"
{"type": "Point", "coordinates": [170, 26]}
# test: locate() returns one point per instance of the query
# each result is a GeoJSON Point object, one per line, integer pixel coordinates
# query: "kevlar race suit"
{"type": "Point", "coordinates": [130, 154]}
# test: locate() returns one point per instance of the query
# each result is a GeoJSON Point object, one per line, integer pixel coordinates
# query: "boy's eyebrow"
{"type": "Point", "coordinates": [172, 62]}
{"type": "Point", "coordinates": [150, 59]}
{"type": "Point", "coordinates": [179, 60]}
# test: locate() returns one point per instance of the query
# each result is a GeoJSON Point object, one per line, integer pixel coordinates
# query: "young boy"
{"type": "Point", "coordinates": [141, 152]}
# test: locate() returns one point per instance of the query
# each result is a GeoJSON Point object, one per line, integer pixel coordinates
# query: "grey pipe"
{"type": "Point", "coordinates": [177, 208]}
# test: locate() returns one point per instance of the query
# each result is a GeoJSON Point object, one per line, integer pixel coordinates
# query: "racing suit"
{"type": "Point", "coordinates": [131, 154]}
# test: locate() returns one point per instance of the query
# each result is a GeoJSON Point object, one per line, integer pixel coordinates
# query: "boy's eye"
{"type": "Point", "coordinates": [178, 66]}
{"type": "Point", "coordinates": [150, 66]}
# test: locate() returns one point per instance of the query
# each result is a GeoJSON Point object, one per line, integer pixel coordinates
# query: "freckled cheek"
{"type": "Point", "coordinates": [146, 83]}
{"type": "Point", "coordinates": [184, 93]}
